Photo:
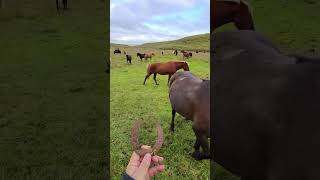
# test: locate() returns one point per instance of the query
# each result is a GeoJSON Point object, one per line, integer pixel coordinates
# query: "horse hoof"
{"type": "Point", "coordinates": [197, 155]}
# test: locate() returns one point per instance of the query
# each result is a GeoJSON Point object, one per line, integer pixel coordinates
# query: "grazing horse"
{"type": "Point", "coordinates": [265, 109]}
{"type": "Point", "coordinates": [165, 68]}
{"type": "Point", "coordinates": [190, 97]}
{"type": "Point", "coordinates": [190, 54]}
{"type": "Point", "coordinates": [185, 55]}
{"type": "Point", "coordinates": [116, 51]}
{"type": "Point", "coordinates": [141, 56]}
{"type": "Point", "coordinates": [226, 11]}
{"type": "Point", "coordinates": [148, 56]}
{"type": "Point", "coordinates": [128, 58]}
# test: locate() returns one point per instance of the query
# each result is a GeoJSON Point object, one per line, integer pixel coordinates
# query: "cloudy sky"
{"type": "Point", "coordinates": [141, 21]}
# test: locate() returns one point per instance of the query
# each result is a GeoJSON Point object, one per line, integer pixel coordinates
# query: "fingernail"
{"type": "Point", "coordinates": [147, 156]}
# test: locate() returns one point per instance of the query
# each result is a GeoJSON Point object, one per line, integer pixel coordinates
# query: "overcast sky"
{"type": "Point", "coordinates": [141, 21]}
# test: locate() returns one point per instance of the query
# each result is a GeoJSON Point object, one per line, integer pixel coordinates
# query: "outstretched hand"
{"type": "Point", "coordinates": [139, 168]}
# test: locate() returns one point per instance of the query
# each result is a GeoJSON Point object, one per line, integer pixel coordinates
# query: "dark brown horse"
{"type": "Point", "coordinates": [190, 97]}
{"type": "Point", "coordinates": [129, 58]}
{"type": "Point", "coordinates": [226, 11]}
{"type": "Point", "coordinates": [165, 68]}
{"type": "Point", "coordinates": [185, 55]}
{"type": "Point", "coordinates": [265, 109]}
{"type": "Point", "coordinates": [140, 55]}
{"type": "Point", "coordinates": [116, 51]}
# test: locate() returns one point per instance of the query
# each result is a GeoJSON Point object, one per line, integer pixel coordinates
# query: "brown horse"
{"type": "Point", "coordinates": [165, 68]}
{"type": "Point", "coordinates": [226, 11]}
{"type": "Point", "coordinates": [148, 56]}
{"type": "Point", "coordinates": [190, 97]}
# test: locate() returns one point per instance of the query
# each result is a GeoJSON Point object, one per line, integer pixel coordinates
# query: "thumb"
{"type": "Point", "coordinates": [145, 164]}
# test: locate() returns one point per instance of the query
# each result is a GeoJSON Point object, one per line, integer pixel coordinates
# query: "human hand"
{"type": "Point", "coordinates": [139, 168]}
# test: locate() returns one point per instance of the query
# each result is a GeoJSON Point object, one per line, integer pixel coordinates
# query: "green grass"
{"type": "Point", "coordinates": [53, 93]}
{"type": "Point", "coordinates": [130, 101]}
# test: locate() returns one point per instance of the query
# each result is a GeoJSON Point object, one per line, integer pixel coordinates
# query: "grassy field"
{"type": "Point", "coordinates": [53, 93]}
{"type": "Point", "coordinates": [131, 100]}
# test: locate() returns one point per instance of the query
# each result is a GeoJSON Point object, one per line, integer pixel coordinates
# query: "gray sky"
{"type": "Point", "coordinates": [142, 21]}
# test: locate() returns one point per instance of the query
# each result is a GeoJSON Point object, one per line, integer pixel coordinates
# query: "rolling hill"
{"type": "Point", "coordinates": [199, 42]}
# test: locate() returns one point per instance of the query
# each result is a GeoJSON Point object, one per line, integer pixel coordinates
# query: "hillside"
{"type": "Point", "coordinates": [197, 42]}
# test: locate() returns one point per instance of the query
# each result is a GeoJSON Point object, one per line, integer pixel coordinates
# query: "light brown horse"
{"type": "Point", "coordinates": [165, 68]}
{"type": "Point", "coordinates": [148, 56]}
{"type": "Point", "coordinates": [226, 11]}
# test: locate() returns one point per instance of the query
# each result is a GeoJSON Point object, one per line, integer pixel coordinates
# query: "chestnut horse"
{"type": "Point", "coordinates": [165, 68]}
{"type": "Point", "coordinates": [190, 97]}
{"type": "Point", "coordinates": [226, 11]}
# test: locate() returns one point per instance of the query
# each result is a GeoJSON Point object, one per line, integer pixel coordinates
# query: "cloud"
{"type": "Point", "coordinates": [137, 22]}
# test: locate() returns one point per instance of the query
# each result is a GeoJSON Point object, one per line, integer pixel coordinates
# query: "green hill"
{"type": "Point", "coordinates": [199, 42]}
{"type": "Point", "coordinates": [191, 43]}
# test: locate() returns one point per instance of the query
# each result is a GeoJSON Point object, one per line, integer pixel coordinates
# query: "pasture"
{"type": "Point", "coordinates": [53, 92]}
{"type": "Point", "coordinates": [130, 100]}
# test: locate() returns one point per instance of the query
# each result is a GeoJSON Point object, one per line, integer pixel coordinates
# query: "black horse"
{"type": "Point", "coordinates": [141, 56]}
{"type": "Point", "coordinates": [128, 58]}
{"type": "Point", "coordinates": [116, 51]}
{"type": "Point", "coordinates": [265, 109]}
{"type": "Point", "coordinates": [175, 52]}
{"type": "Point", "coordinates": [190, 54]}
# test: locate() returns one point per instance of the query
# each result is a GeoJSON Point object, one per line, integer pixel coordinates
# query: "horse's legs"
{"type": "Point", "coordinates": [154, 78]}
{"type": "Point", "coordinates": [201, 140]}
{"type": "Point", "coordinates": [146, 78]}
{"type": "Point", "coordinates": [57, 3]}
{"type": "Point", "coordinates": [173, 112]}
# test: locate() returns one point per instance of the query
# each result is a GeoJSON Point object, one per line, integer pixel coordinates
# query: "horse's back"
{"type": "Point", "coordinates": [184, 93]}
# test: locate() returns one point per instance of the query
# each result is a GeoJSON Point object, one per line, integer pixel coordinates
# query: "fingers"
{"type": "Point", "coordinates": [135, 159]}
{"type": "Point", "coordinates": [155, 170]}
{"type": "Point", "coordinates": [157, 159]}
{"type": "Point", "coordinates": [144, 166]}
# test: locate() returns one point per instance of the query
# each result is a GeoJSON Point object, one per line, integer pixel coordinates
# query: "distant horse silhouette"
{"type": "Point", "coordinates": [64, 2]}
{"type": "Point", "coordinates": [226, 11]}
{"type": "Point", "coordinates": [129, 58]}
{"type": "Point", "coordinates": [185, 55]}
{"type": "Point", "coordinates": [140, 55]}
{"type": "Point", "coordinates": [190, 54]}
{"type": "Point", "coordinates": [116, 51]}
{"type": "Point", "coordinates": [165, 68]}
{"type": "Point", "coordinates": [175, 52]}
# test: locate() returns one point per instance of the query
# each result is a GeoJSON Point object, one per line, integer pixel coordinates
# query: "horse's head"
{"type": "Point", "coordinates": [185, 66]}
